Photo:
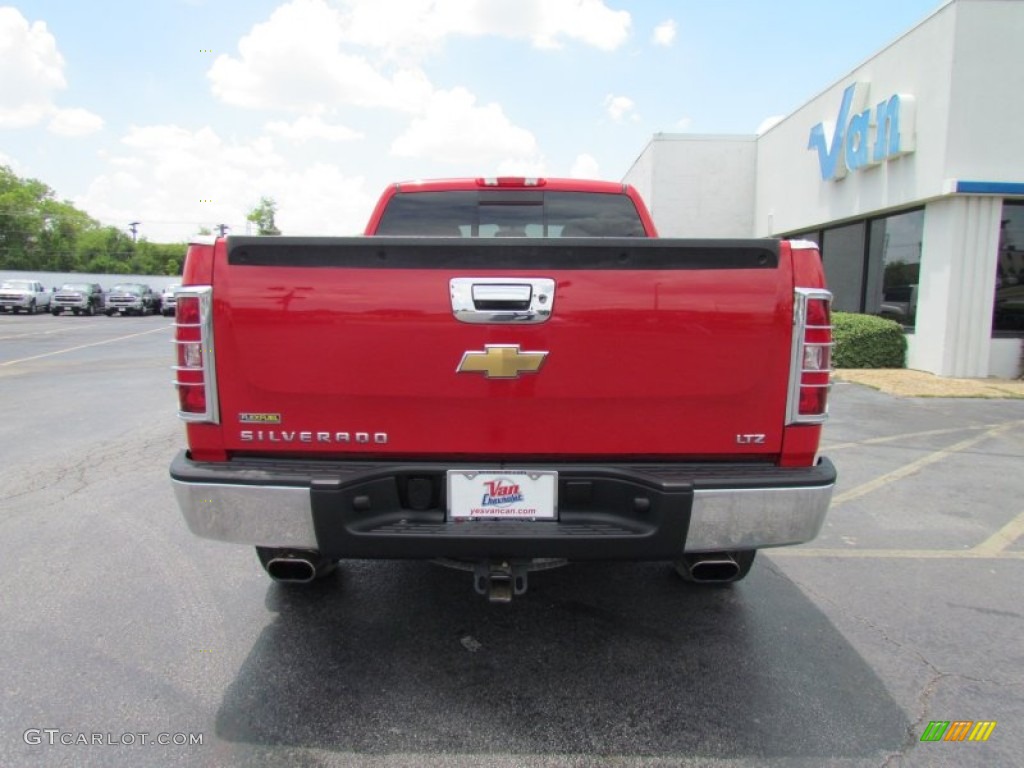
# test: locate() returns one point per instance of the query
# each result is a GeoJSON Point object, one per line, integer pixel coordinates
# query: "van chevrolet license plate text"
{"type": "Point", "coordinates": [502, 494]}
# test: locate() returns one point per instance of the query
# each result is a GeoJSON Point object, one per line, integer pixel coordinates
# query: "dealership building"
{"type": "Point", "coordinates": [909, 174]}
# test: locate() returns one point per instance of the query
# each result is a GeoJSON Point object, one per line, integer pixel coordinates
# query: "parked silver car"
{"type": "Point", "coordinates": [24, 295]}
{"type": "Point", "coordinates": [167, 303]}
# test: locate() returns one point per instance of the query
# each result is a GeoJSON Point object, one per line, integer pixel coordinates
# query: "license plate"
{"type": "Point", "coordinates": [507, 494]}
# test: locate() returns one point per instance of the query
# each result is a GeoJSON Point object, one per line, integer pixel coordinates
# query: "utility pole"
{"type": "Point", "coordinates": [134, 227]}
{"type": "Point", "coordinates": [223, 228]}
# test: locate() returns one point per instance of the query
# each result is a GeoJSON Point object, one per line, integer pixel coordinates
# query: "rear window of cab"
{"type": "Point", "coordinates": [510, 213]}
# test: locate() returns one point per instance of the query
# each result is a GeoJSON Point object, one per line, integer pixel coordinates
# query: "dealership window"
{"type": "Point", "coordinates": [872, 265]}
{"type": "Point", "coordinates": [842, 252]}
{"type": "Point", "coordinates": [1008, 310]}
{"type": "Point", "coordinates": [894, 266]}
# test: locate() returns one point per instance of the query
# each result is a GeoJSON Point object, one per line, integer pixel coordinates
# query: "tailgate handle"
{"type": "Point", "coordinates": [502, 296]}
{"type": "Point", "coordinates": [502, 299]}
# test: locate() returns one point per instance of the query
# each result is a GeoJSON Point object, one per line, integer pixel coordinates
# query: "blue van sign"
{"type": "Point", "coordinates": [860, 137]}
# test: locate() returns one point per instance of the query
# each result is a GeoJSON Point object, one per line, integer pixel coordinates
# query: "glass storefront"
{"type": "Point", "coordinates": [872, 266]}
{"type": "Point", "coordinates": [1008, 311]}
{"type": "Point", "coordinates": [894, 266]}
{"type": "Point", "coordinates": [842, 251]}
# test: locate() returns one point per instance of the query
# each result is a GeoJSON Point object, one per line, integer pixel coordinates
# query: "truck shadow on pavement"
{"type": "Point", "coordinates": [596, 659]}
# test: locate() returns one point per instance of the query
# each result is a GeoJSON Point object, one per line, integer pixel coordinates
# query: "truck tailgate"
{"type": "Point", "coordinates": [350, 346]}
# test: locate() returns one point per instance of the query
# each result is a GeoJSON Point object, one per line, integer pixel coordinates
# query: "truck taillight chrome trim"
{"type": "Point", "coordinates": [811, 362]}
{"type": "Point", "coordinates": [195, 375]}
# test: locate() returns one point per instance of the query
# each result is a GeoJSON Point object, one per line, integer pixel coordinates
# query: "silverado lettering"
{"type": "Point", "coordinates": [548, 381]}
{"type": "Point", "coordinates": [282, 436]}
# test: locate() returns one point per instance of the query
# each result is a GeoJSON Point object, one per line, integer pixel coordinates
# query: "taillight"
{"type": "Point", "coordinates": [810, 372]}
{"type": "Point", "coordinates": [194, 372]}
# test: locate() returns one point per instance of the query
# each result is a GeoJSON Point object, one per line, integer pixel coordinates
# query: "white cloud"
{"type": "Point", "coordinates": [31, 73]}
{"type": "Point", "coordinates": [619, 108]}
{"type": "Point", "coordinates": [401, 27]}
{"type": "Point", "coordinates": [310, 55]}
{"type": "Point", "coordinates": [454, 129]}
{"type": "Point", "coordinates": [295, 60]}
{"type": "Point", "coordinates": [318, 200]}
{"type": "Point", "coordinates": [769, 122]}
{"type": "Point", "coordinates": [526, 167]}
{"type": "Point", "coordinates": [312, 127]}
{"type": "Point", "coordinates": [665, 33]}
{"type": "Point", "coordinates": [585, 167]}
{"type": "Point", "coordinates": [31, 70]}
{"type": "Point", "coordinates": [173, 179]}
{"type": "Point", "coordinates": [684, 123]}
{"type": "Point", "coordinates": [74, 122]}
{"type": "Point", "coordinates": [312, 58]}
{"type": "Point", "coordinates": [588, 21]}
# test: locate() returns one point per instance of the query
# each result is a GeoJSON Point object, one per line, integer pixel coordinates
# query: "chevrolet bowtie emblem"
{"type": "Point", "coordinates": [501, 361]}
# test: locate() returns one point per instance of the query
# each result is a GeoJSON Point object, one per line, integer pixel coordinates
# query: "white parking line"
{"type": "Point", "coordinates": [1002, 539]}
{"type": "Point", "coordinates": [825, 446]}
{"type": "Point", "coordinates": [915, 466]}
{"type": "Point", "coordinates": [995, 547]}
{"type": "Point", "coordinates": [65, 329]}
{"type": "Point", "coordinates": [84, 346]}
{"type": "Point", "coordinates": [897, 554]}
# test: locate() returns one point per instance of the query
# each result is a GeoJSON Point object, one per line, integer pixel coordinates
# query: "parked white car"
{"type": "Point", "coordinates": [27, 295]}
{"type": "Point", "coordinates": [168, 303]}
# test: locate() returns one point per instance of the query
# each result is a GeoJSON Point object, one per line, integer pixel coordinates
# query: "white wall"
{"type": "Point", "coordinates": [641, 176]}
{"type": "Point", "coordinates": [957, 286]}
{"type": "Point", "coordinates": [1004, 358]}
{"type": "Point", "coordinates": [986, 115]}
{"type": "Point", "coordinates": [699, 186]}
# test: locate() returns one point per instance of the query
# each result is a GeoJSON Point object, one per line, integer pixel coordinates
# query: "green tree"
{"type": "Point", "coordinates": [104, 249]}
{"type": "Point", "coordinates": [158, 258]}
{"type": "Point", "coordinates": [262, 215]}
{"type": "Point", "coordinates": [37, 231]}
{"type": "Point", "coordinates": [21, 219]}
{"type": "Point", "coordinates": [63, 224]}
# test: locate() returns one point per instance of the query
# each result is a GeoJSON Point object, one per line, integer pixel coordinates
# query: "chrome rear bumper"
{"type": "Point", "coordinates": [262, 507]}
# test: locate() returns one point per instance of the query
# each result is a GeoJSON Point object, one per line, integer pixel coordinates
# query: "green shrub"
{"type": "Point", "coordinates": [866, 341]}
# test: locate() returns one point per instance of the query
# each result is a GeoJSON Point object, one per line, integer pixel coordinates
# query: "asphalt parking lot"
{"type": "Point", "coordinates": [118, 623]}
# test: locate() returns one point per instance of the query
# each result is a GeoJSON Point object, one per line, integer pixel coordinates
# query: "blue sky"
{"type": "Point", "coordinates": [182, 113]}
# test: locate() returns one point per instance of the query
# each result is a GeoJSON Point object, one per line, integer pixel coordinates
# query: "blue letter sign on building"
{"type": "Point", "coordinates": [863, 138]}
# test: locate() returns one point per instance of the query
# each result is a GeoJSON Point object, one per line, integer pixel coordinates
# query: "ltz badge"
{"type": "Point", "coordinates": [501, 361]}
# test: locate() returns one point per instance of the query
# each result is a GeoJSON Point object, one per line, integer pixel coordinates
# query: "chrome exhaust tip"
{"type": "Point", "coordinates": [292, 570]}
{"type": "Point", "coordinates": [294, 566]}
{"type": "Point", "coordinates": [712, 568]}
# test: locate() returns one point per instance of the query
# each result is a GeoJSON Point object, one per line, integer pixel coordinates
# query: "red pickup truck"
{"type": "Point", "coordinates": [504, 374]}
